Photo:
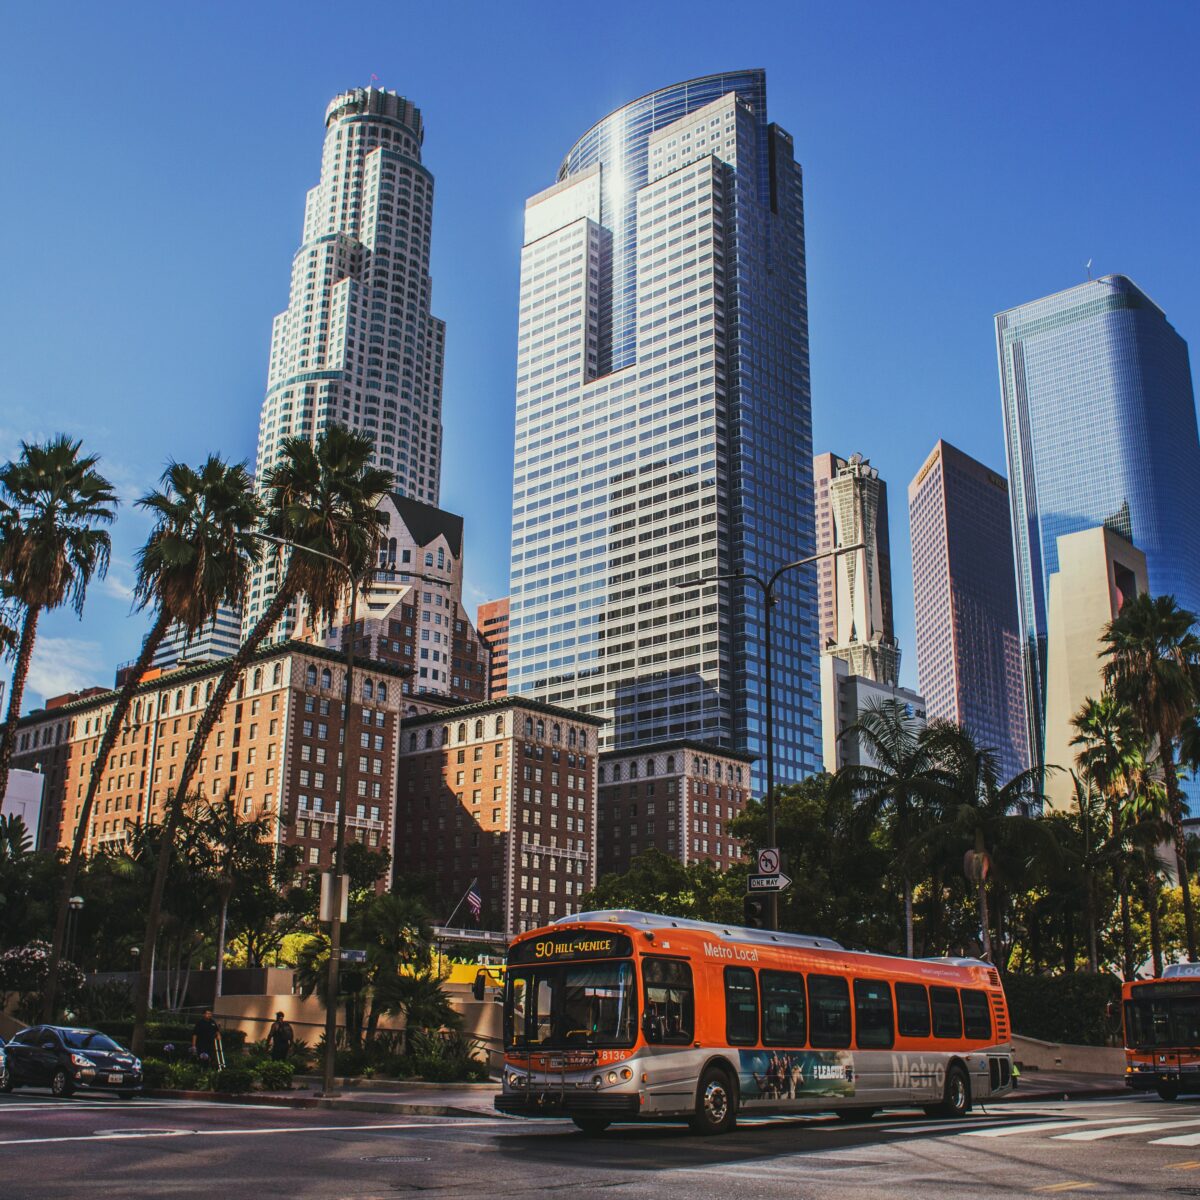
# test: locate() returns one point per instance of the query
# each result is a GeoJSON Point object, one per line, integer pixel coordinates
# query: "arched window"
{"type": "Point", "coordinates": [310, 675]}
{"type": "Point", "coordinates": [429, 559]}
{"type": "Point", "coordinates": [429, 739]}
{"type": "Point", "coordinates": [649, 766]}
{"type": "Point", "coordinates": [529, 727]}
{"type": "Point", "coordinates": [381, 692]}
{"type": "Point", "coordinates": [179, 699]}
{"type": "Point", "coordinates": [368, 690]}
{"type": "Point", "coordinates": [326, 678]}
{"type": "Point", "coordinates": [633, 770]}
{"type": "Point", "coordinates": [208, 690]}
{"type": "Point", "coordinates": [600, 774]}
{"type": "Point", "coordinates": [499, 725]}
{"type": "Point", "coordinates": [462, 731]}
{"type": "Point", "coordinates": [412, 740]}
{"type": "Point", "coordinates": [479, 729]}
{"type": "Point", "coordinates": [541, 729]}
{"type": "Point", "coordinates": [276, 675]}
{"type": "Point", "coordinates": [193, 696]}
{"type": "Point", "coordinates": [616, 772]}
{"type": "Point", "coordinates": [571, 736]}
{"type": "Point", "coordinates": [412, 711]}
{"type": "Point", "coordinates": [555, 733]}
{"type": "Point", "coordinates": [445, 735]}
{"type": "Point", "coordinates": [441, 559]}
{"type": "Point", "coordinates": [670, 764]}
{"type": "Point", "coordinates": [583, 739]}
{"type": "Point", "coordinates": [258, 679]}
{"type": "Point", "coordinates": [717, 770]}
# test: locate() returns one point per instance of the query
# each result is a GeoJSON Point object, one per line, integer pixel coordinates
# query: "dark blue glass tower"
{"type": "Point", "coordinates": [1100, 425]}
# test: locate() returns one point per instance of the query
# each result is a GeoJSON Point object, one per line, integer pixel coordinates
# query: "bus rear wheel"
{"type": "Point", "coordinates": [956, 1097]}
{"type": "Point", "coordinates": [1168, 1091]}
{"type": "Point", "coordinates": [716, 1103]}
{"type": "Point", "coordinates": [591, 1126]}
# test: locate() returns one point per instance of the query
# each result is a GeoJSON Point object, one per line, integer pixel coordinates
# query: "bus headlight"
{"type": "Point", "coordinates": [612, 1077]}
{"type": "Point", "coordinates": [597, 1081]}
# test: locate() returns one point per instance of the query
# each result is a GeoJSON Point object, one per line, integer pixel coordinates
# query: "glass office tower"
{"type": "Point", "coordinates": [1100, 426]}
{"type": "Point", "coordinates": [663, 428]}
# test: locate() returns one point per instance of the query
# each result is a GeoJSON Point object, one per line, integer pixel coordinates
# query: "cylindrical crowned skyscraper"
{"type": "Point", "coordinates": [357, 345]}
{"type": "Point", "coordinates": [663, 428]}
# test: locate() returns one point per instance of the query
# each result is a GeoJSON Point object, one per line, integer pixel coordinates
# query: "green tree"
{"type": "Point", "coordinates": [1153, 668]}
{"type": "Point", "coordinates": [899, 784]}
{"type": "Point", "coordinates": [197, 557]}
{"type": "Point", "coordinates": [321, 496]}
{"type": "Point", "coordinates": [53, 504]}
{"type": "Point", "coordinates": [660, 883]}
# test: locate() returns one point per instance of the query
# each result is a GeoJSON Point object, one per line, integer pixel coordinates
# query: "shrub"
{"type": "Point", "coordinates": [155, 1072]}
{"type": "Point", "coordinates": [1062, 1008]}
{"type": "Point", "coordinates": [111, 1000]}
{"type": "Point", "coordinates": [446, 1058]}
{"type": "Point", "coordinates": [275, 1076]}
{"type": "Point", "coordinates": [23, 974]}
{"type": "Point", "coordinates": [233, 1080]}
{"type": "Point", "coordinates": [186, 1075]}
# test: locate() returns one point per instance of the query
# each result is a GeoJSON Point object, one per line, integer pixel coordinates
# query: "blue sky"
{"type": "Point", "coordinates": [958, 160]}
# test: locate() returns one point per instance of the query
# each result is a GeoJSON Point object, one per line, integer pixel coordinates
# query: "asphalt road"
{"type": "Point", "coordinates": [155, 1148]}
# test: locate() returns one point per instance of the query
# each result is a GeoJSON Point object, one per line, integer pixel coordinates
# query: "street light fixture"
{"type": "Point", "coordinates": [767, 587]}
{"type": "Point", "coordinates": [74, 905]}
{"type": "Point", "coordinates": [339, 851]}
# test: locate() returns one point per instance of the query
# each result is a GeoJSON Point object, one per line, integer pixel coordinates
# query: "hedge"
{"type": "Point", "coordinates": [160, 1034]}
{"type": "Point", "coordinates": [1062, 1008]}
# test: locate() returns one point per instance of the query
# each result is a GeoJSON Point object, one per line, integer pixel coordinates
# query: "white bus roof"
{"type": "Point", "coordinates": [735, 933]}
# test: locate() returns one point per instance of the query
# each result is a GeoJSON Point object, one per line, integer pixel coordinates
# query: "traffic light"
{"type": "Point", "coordinates": [754, 912]}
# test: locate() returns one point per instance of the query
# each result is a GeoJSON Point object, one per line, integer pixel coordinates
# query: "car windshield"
{"type": "Point", "coordinates": [572, 1006]}
{"type": "Point", "coordinates": [88, 1039]}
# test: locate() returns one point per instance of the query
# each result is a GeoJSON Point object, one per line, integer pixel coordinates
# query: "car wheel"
{"type": "Point", "coordinates": [853, 1116]}
{"type": "Point", "coordinates": [716, 1103]}
{"type": "Point", "coordinates": [591, 1126]}
{"type": "Point", "coordinates": [60, 1083]}
{"type": "Point", "coordinates": [6, 1081]}
{"type": "Point", "coordinates": [1168, 1091]}
{"type": "Point", "coordinates": [956, 1098]}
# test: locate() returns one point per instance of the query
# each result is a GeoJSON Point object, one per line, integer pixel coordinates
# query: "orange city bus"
{"type": "Point", "coordinates": [620, 1015]}
{"type": "Point", "coordinates": [1162, 1031]}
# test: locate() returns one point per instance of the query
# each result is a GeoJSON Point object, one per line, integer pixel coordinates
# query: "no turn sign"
{"type": "Point", "coordinates": [768, 862]}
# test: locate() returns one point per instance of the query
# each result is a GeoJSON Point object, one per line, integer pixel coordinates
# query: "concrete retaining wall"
{"type": "Point", "coordinates": [1037, 1055]}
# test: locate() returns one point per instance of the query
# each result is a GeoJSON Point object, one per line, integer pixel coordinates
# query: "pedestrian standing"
{"type": "Point", "coordinates": [205, 1035]}
{"type": "Point", "coordinates": [281, 1037]}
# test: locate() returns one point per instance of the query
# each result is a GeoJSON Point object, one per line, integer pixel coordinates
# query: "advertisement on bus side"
{"type": "Point", "coordinates": [792, 1074]}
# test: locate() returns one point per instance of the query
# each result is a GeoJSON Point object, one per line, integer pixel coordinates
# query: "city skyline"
{"type": "Point", "coordinates": [269, 166]}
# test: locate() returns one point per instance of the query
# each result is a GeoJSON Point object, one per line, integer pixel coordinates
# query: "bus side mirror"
{"type": "Point", "coordinates": [477, 988]}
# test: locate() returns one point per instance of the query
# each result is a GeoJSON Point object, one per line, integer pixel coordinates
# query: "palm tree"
{"type": "Point", "coordinates": [902, 782]}
{"type": "Point", "coordinates": [983, 814]}
{"type": "Point", "coordinates": [1153, 667]}
{"type": "Point", "coordinates": [52, 504]}
{"type": "Point", "coordinates": [197, 557]}
{"type": "Point", "coordinates": [230, 847]}
{"type": "Point", "coordinates": [323, 497]}
{"type": "Point", "coordinates": [1110, 755]}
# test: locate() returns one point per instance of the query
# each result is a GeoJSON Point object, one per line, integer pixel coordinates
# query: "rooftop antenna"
{"type": "Point", "coordinates": [1089, 261]}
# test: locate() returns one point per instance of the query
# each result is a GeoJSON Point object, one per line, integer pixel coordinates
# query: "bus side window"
{"type": "Point", "coordinates": [912, 1005]}
{"type": "Point", "coordinates": [741, 1007]}
{"type": "Point", "coordinates": [516, 1021]}
{"type": "Point", "coordinates": [784, 1020]}
{"type": "Point", "coordinates": [670, 1004]}
{"type": "Point", "coordinates": [829, 1004]}
{"type": "Point", "coordinates": [977, 1015]}
{"type": "Point", "coordinates": [947, 1016]}
{"type": "Point", "coordinates": [873, 1028]}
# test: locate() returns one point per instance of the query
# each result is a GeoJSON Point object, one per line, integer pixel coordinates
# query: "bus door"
{"type": "Point", "coordinates": [669, 1022]}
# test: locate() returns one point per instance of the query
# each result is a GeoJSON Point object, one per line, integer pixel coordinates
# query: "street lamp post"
{"type": "Point", "coordinates": [767, 587]}
{"type": "Point", "coordinates": [339, 850]}
{"type": "Point", "coordinates": [74, 905]}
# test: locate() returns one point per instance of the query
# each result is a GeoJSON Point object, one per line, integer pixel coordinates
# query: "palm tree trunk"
{"type": "Point", "coordinates": [1156, 953]}
{"type": "Point", "coordinates": [225, 892]}
{"type": "Point", "coordinates": [16, 695]}
{"type": "Point", "coordinates": [119, 713]}
{"type": "Point", "coordinates": [229, 677]}
{"type": "Point", "coordinates": [1175, 800]}
{"type": "Point", "coordinates": [1089, 900]}
{"type": "Point", "coordinates": [985, 932]}
{"type": "Point", "coordinates": [1119, 882]}
{"type": "Point", "coordinates": [908, 917]}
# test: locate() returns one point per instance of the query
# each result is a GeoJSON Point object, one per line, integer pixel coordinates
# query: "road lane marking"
{"type": "Point", "coordinates": [1043, 1126]}
{"type": "Point", "coordinates": [133, 1133]}
{"type": "Point", "coordinates": [1188, 1165]}
{"type": "Point", "coordinates": [1138, 1126]}
{"type": "Point", "coordinates": [1069, 1185]}
{"type": "Point", "coordinates": [1183, 1139]}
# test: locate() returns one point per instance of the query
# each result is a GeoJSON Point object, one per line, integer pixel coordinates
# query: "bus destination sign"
{"type": "Point", "coordinates": [571, 945]}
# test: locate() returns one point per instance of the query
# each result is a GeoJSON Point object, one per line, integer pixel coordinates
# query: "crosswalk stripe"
{"type": "Point", "coordinates": [1043, 1126]}
{"type": "Point", "coordinates": [1096, 1135]}
{"type": "Point", "coordinates": [1182, 1139]}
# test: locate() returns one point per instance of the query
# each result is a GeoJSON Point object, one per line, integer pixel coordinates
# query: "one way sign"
{"type": "Point", "coordinates": [767, 883]}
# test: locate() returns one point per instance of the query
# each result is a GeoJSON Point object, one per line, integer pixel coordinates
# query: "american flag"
{"type": "Point", "coordinates": [474, 900]}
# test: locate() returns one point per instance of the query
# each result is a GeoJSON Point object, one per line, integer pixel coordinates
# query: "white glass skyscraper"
{"type": "Point", "coordinates": [663, 428]}
{"type": "Point", "coordinates": [357, 345]}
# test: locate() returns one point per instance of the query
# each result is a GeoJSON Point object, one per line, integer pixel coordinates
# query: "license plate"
{"type": "Point", "coordinates": [116, 1079]}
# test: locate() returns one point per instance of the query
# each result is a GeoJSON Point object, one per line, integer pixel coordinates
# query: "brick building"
{"type": "Point", "coordinates": [677, 797]}
{"type": "Point", "coordinates": [276, 750]}
{"type": "Point", "coordinates": [491, 619]}
{"type": "Point", "coordinates": [503, 792]}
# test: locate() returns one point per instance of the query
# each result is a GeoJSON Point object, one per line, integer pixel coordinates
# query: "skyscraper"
{"type": "Point", "coordinates": [357, 345]}
{"type": "Point", "coordinates": [663, 427]}
{"type": "Point", "coordinates": [855, 590]}
{"type": "Point", "coordinates": [491, 619]}
{"type": "Point", "coordinates": [968, 647]}
{"type": "Point", "coordinates": [1100, 428]}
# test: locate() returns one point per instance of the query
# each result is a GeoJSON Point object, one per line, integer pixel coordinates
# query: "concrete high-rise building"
{"type": "Point", "coordinates": [357, 345]}
{"type": "Point", "coordinates": [663, 428]}
{"type": "Point", "coordinates": [854, 590]}
{"type": "Point", "coordinates": [845, 699]}
{"type": "Point", "coordinates": [1098, 570]}
{"type": "Point", "coordinates": [220, 638]}
{"type": "Point", "coordinates": [968, 645]}
{"type": "Point", "coordinates": [1100, 427]}
{"type": "Point", "coordinates": [491, 619]}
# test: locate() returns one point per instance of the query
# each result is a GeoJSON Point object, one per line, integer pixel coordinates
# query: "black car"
{"type": "Point", "coordinates": [65, 1059]}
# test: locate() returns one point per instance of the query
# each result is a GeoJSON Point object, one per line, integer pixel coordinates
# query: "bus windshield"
{"type": "Point", "coordinates": [1165, 1021]}
{"type": "Point", "coordinates": [571, 1006]}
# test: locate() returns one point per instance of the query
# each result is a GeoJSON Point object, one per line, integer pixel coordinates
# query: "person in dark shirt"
{"type": "Point", "coordinates": [205, 1034]}
{"type": "Point", "coordinates": [281, 1037]}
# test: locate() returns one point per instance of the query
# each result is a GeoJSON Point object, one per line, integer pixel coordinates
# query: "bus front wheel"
{"type": "Point", "coordinates": [956, 1098]}
{"type": "Point", "coordinates": [1168, 1091]}
{"type": "Point", "coordinates": [591, 1126]}
{"type": "Point", "coordinates": [716, 1103]}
